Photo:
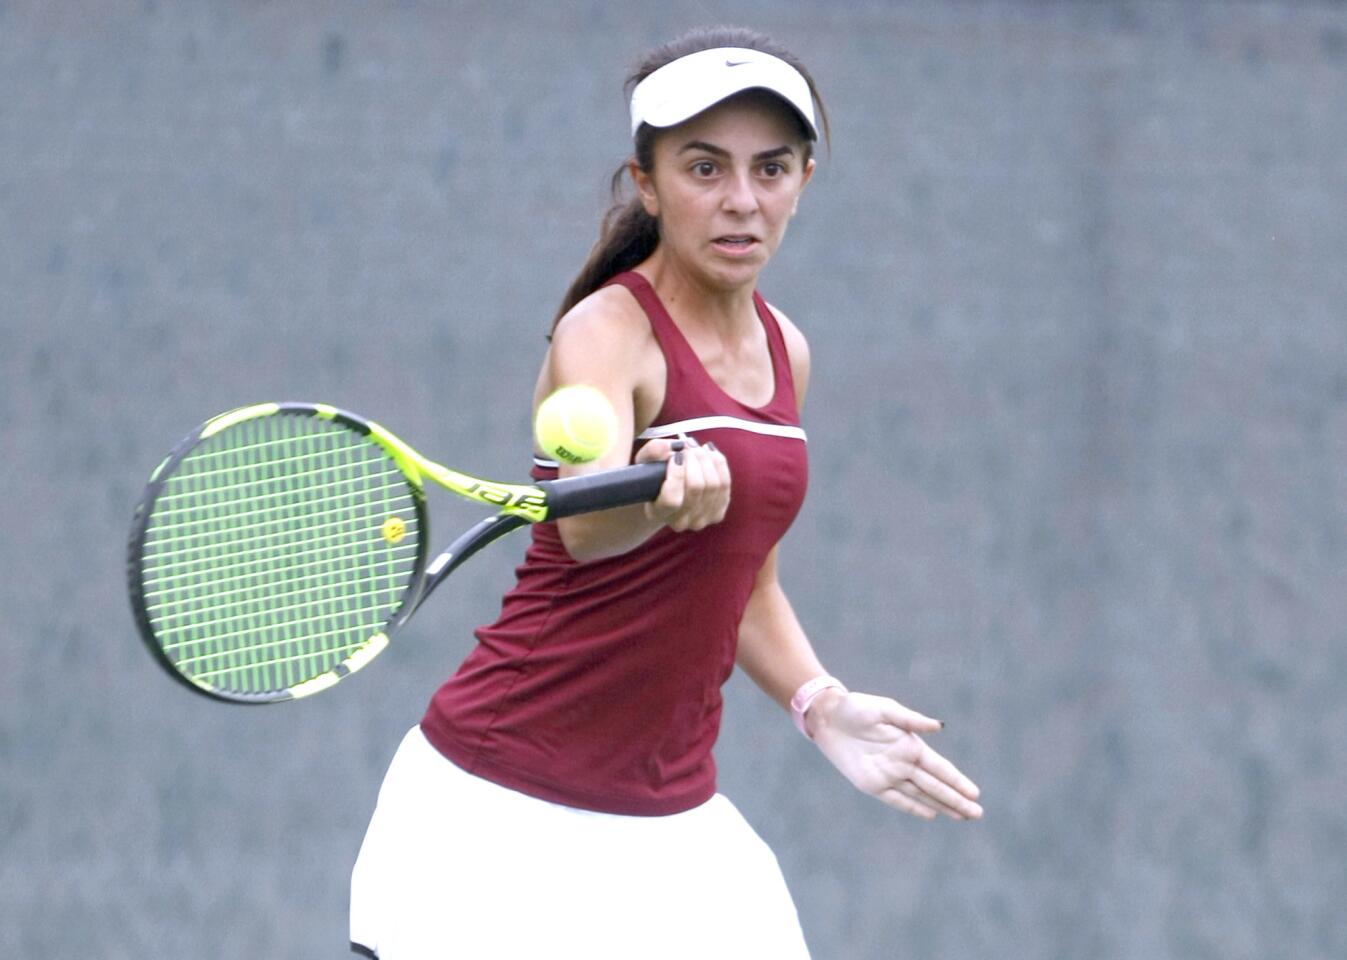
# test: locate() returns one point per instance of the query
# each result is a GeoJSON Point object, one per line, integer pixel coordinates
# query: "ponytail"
{"type": "Point", "coordinates": [627, 237]}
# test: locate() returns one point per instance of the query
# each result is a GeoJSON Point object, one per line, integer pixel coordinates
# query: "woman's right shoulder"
{"type": "Point", "coordinates": [606, 340]}
{"type": "Point", "coordinates": [609, 315]}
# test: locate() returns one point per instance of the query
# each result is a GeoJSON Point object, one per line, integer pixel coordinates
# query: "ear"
{"type": "Point", "coordinates": [804, 182]}
{"type": "Point", "coordinates": [645, 187]}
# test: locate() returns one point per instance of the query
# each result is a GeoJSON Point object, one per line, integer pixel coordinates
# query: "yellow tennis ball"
{"type": "Point", "coordinates": [575, 424]}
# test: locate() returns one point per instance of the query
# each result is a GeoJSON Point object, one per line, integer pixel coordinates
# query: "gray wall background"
{"type": "Point", "coordinates": [1074, 275]}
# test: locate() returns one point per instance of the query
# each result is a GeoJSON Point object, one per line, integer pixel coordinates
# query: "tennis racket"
{"type": "Point", "coordinates": [278, 546]}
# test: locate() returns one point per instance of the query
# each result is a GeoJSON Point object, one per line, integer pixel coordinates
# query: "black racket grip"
{"type": "Point", "coordinates": [599, 491]}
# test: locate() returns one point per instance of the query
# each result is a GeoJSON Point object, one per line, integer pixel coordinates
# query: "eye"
{"type": "Point", "coordinates": [704, 168]}
{"type": "Point", "coordinates": [771, 169]}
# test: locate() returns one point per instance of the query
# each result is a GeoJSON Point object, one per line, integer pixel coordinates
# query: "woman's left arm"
{"type": "Point", "coordinates": [875, 742]}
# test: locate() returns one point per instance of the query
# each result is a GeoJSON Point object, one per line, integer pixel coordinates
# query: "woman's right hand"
{"type": "Point", "coordinates": [696, 491]}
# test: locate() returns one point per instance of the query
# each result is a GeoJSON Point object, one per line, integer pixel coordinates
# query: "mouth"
{"type": "Point", "coordinates": [735, 244]}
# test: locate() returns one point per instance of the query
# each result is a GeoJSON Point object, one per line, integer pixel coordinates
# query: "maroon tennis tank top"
{"type": "Point", "coordinates": [599, 684]}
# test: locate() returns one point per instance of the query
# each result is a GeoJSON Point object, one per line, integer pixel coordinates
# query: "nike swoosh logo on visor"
{"type": "Point", "coordinates": [736, 63]}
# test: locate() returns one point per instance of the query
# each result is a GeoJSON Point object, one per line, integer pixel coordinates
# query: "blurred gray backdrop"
{"type": "Point", "coordinates": [1074, 275]}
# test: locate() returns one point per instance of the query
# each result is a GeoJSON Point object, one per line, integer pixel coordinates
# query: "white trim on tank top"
{"type": "Point", "coordinates": [709, 423]}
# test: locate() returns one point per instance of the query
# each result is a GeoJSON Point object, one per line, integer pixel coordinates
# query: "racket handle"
{"type": "Point", "coordinates": [589, 492]}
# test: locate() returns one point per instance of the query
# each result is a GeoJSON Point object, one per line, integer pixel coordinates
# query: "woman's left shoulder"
{"type": "Point", "coordinates": [797, 348]}
{"type": "Point", "coordinates": [794, 336]}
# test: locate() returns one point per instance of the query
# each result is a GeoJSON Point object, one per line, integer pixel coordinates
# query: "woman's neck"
{"type": "Point", "coordinates": [692, 298]}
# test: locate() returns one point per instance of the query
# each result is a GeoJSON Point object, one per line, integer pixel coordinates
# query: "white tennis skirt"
{"type": "Point", "coordinates": [454, 866]}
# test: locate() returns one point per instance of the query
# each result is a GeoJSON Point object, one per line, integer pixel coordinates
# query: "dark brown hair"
{"type": "Point", "coordinates": [628, 234]}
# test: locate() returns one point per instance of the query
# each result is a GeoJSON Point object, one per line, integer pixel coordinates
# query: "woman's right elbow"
{"type": "Point", "coordinates": [586, 541]}
{"type": "Point", "coordinates": [579, 542]}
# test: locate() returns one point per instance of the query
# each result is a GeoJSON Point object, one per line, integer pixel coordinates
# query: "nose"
{"type": "Point", "coordinates": [740, 197]}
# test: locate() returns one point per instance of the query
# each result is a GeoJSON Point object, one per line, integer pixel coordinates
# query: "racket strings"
{"type": "Point", "coordinates": [211, 626]}
{"type": "Point", "coordinates": [299, 467]}
{"type": "Point", "coordinates": [266, 560]}
{"type": "Point", "coordinates": [295, 607]}
{"type": "Point", "coordinates": [182, 549]}
{"type": "Point", "coordinates": [306, 548]}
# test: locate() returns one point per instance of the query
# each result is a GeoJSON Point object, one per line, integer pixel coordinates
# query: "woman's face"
{"type": "Point", "coordinates": [724, 185]}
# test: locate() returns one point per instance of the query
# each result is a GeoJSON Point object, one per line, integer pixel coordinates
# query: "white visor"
{"type": "Point", "coordinates": [691, 84]}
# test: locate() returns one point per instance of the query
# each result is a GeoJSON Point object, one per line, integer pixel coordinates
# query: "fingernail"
{"type": "Point", "coordinates": [678, 458]}
{"type": "Point", "coordinates": [711, 446]}
{"type": "Point", "coordinates": [676, 446]}
{"type": "Point", "coordinates": [942, 724]}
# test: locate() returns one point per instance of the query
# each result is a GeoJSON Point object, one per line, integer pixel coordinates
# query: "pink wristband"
{"type": "Point", "coordinates": [807, 694]}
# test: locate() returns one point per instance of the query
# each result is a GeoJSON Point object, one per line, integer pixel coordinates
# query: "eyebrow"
{"type": "Point", "coordinates": [716, 151]}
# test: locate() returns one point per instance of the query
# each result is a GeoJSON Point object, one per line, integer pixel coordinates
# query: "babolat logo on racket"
{"type": "Point", "coordinates": [509, 498]}
{"type": "Point", "coordinates": [522, 500]}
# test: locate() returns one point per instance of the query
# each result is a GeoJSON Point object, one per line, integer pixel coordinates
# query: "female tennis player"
{"type": "Point", "coordinates": [558, 798]}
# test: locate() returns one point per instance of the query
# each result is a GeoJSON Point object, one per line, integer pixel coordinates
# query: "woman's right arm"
{"type": "Point", "coordinates": [606, 342]}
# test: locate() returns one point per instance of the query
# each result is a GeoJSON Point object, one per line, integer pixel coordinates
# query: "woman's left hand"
{"type": "Point", "coordinates": [875, 743]}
